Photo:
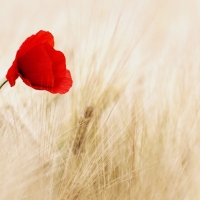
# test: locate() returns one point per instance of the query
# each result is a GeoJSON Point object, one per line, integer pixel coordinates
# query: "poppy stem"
{"type": "Point", "coordinates": [3, 84]}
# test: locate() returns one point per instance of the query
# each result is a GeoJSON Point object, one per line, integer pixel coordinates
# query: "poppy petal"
{"type": "Point", "coordinates": [64, 85]}
{"type": "Point", "coordinates": [39, 38]}
{"type": "Point", "coordinates": [62, 76]}
{"type": "Point", "coordinates": [35, 68]}
{"type": "Point", "coordinates": [12, 73]}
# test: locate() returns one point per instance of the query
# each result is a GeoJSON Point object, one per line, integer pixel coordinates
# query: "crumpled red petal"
{"type": "Point", "coordinates": [35, 68]}
{"type": "Point", "coordinates": [41, 37]}
{"type": "Point", "coordinates": [12, 74]}
{"type": "Point", "coordinates": [63, 79]}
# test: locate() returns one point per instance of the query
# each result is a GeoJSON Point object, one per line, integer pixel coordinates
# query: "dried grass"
{"type": "Point", "coordinates": [129, 127]}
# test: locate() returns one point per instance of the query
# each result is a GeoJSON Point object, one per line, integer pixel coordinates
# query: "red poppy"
{"type": "Point", "coordinates": [40, 66]}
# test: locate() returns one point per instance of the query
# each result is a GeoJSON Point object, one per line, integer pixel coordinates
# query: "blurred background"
{"type": "Point", "coordinates": [140, 30]}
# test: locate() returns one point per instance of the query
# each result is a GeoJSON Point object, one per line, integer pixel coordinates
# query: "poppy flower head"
{"type": "Point", "coordinates": [40, 66]}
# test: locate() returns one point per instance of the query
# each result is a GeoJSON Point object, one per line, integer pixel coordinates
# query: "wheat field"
{"type": "Point", "coordinates": [129, 129]}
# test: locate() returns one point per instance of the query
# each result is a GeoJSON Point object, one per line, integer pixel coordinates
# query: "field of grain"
{"type": "Point", "coordinates": [129, 128]}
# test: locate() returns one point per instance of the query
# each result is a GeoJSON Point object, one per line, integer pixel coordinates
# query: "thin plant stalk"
{"type": "Point", "coordinates": [3, 84]}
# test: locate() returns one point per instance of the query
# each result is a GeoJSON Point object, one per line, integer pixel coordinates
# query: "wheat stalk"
{"type": "Point", "coordinates": [79, 141]}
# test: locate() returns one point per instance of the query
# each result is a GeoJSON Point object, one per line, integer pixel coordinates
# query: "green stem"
{"type": "Point", "coordinates": [3, 84]}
